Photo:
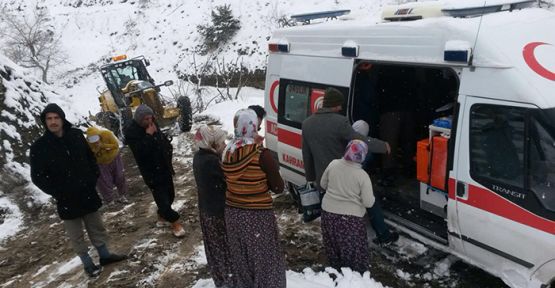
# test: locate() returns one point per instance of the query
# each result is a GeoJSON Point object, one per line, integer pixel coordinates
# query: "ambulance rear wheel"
{"type": "Point", "coordinates": [295, 196]}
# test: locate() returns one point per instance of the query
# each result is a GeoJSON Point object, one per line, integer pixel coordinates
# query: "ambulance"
{"type": "Point", "coordinates": [475, 88]}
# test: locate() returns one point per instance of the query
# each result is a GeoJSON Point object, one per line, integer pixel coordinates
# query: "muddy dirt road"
{"type": "Point", "coordinates": [40, 256]}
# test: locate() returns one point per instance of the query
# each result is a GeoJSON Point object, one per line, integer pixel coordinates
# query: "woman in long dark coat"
{"type": "Point", "coordinates": [211, 187]}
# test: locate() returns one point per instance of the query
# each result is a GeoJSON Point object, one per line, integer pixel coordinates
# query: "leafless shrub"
{"type": "Point", "coordinates": [32, 41]}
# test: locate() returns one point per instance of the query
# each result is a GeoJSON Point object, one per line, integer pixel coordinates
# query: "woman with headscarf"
{"type": "Point", "coordinates": [348, 195]}
{"type": "Point", "coordinates": [105, 147]}
{"type": "Point", "coordinates": [210, 142]}
{"type": "Point", "coordinates": [251, 172]}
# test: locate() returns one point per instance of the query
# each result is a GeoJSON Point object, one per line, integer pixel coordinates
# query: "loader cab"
{"type": "Point", "coordinates": [118, 74]}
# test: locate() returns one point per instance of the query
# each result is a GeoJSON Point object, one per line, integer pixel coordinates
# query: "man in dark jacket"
{"type": "Point", "coordinates": [325, 135]}
{"type": "Point", "coordinates": [63, 166]}
{"type": "Point", "coordinates": [153, 152]}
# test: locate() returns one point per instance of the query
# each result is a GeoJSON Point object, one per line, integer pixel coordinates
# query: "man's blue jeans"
{"type": "Point", "coordinates": [377, 220]}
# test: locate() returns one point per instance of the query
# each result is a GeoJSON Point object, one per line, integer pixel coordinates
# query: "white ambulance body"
{"type": "Point", "coordinates": [496, 211]}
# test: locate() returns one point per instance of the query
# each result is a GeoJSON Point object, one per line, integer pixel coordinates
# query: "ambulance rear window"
{"type": "Point", "coordinates": [296, 103]}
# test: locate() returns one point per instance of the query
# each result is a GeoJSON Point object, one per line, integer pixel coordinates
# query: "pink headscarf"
{"type": "Point", "coordinates": [356, 151]}
{"type": "Point", "coordinates": [246, 124]}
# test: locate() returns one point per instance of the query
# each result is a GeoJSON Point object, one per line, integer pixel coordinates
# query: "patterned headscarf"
{"type": "Point", "coordinates": [207, 137]}
{"type": "Point", "coordinates": [356, 151]}
{"type": "Point", "coordinates": [246, 124]}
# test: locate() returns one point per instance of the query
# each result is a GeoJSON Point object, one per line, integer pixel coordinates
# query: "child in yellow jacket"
{"type": "Point", "coordinates": [105, 147]}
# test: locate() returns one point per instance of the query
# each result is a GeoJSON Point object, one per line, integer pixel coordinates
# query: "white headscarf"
{"type": "Point", "coordinates": [361, 127]}
{"type": "Point", "coordinates": [207, 137]}
{"type": "Point", "coordinates": [246, 123]}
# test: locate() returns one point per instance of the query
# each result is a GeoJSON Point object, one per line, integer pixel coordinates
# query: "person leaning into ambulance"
{"type": "Point", "coordinates": [375, 213]}
{"type": "Point", "coordinates": [325, 135]}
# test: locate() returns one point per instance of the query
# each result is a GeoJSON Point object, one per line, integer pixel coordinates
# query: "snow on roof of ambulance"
{"type": "Point", "coordinates": [457, 4]}
{"type": "Point", "coordinates": [463, 25]}
{"type": "Point", "coordinates": [423, 41]}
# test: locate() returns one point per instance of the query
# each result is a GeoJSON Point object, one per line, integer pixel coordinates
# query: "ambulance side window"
{"type": "Point", "coordinates": [542, 161]}
{"type": "Point", "coordinates": [296, 103]}
{"type": "Point", "coordinates": [497, 145]}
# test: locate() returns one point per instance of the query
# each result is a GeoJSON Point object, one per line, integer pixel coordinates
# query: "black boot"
{"type": "Point", "coordinates": [93, 271]}
{"type": "Point", "coordinates": [112, 259]}
{"type": "Point", "coordinates": [385, 241]}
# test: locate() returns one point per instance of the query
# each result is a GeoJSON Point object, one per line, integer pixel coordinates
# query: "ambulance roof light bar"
{"type": "Point", "coordinates": [455, 8]}
{"type": "Point", "coordinates": [306, 17]}
{"type": "Point", "coordinates": [458, 9]}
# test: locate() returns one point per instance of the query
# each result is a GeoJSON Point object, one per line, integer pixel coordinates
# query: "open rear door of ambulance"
{"type": "Point", "coordinates": [302, 82]}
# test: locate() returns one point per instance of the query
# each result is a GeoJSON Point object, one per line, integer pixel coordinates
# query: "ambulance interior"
{"type": "Point", "coordinates": [411, 108]}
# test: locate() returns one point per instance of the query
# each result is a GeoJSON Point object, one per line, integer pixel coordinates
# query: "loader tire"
{"type": "Point", "coordinates": [186, 113]}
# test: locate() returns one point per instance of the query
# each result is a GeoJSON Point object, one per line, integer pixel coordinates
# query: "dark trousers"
{"type": "Point", "coordinates": [397, 129]}
{"type": "Point", "coordinates": [164, 194]}
{"type": "Point", "coordinates": [377, 221]}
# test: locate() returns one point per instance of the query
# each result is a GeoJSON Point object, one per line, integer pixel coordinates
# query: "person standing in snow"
{"type": "Point", "coordinates": [153, 152]}
{"type": "Point", "coordinates": [63, 166]}
{"type": "Point", "coordinates": [348, 195]}
{"type": "Point", "coordinates": [211, 188]}
{"type": "Point", "coordinates": [251, 172]}
{"type": "Point", "coordinates": [105, 147]}
{"type": "Point", "coordinates": [383, 235]}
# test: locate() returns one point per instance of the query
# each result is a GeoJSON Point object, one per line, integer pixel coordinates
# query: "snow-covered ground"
{"type": "Point", "coordinates": [310, 279]}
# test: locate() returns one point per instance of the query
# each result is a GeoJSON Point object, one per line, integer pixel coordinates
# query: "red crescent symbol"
{"type": "Point", "coordinates": [530, 59]}
{"type": "Point", "coordinates": [272, 89]}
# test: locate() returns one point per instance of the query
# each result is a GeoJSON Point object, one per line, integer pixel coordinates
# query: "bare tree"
{"type": "Point", "coordinates": [232, 74]}
{"type": "Point", "coordinates": [31, 41]}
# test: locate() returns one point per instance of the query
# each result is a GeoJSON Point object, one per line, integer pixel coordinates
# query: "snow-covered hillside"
{"type": "Point", "coordinates": [165, 31]}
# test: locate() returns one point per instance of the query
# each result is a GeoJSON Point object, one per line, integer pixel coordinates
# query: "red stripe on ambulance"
{"type": "Point", "coordinates": [489, 201]}
{"type": "Point", "coordinates": [289, 138]}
